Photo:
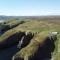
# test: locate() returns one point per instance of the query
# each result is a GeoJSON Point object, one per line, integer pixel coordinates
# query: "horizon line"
{"type": "Point", "coordinates": [30, 15]}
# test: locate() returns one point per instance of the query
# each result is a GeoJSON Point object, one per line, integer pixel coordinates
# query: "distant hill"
{"type": "Point", "coordinates": [2, 17]}
{"type": "Point", "coordinates": [7, 17]}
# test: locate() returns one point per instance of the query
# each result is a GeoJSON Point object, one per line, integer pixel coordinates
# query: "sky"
{"type": "Point", "coordinates": [29, 7]}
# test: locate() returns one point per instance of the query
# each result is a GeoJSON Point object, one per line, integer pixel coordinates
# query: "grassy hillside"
{"type": "Point", "coordinates": [43, 28]}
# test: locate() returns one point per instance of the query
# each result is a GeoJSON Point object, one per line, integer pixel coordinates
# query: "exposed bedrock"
{"type": "Point", "coordinates": [15, 38]}
{"type": "Point", "coordinates": [27, 39]}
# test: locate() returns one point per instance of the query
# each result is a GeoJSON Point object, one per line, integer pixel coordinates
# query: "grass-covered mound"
{"type": "Point", "coordinates": [13, 23]}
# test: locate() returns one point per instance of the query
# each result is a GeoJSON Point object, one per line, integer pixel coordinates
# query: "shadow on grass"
{"type": "Point", "coordinates": [44, 51]}
{"type": "Point", "coordinates": [7, 54]}
{"type": "Point", "coordinates": [9, 46]}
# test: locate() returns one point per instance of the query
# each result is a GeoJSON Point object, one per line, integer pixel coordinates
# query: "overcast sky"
{"type": "Point", "coordinates": [29, 7]}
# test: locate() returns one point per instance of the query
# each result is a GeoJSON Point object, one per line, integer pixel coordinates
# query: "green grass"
{"type": "Point", "coordinates": [43, 27]}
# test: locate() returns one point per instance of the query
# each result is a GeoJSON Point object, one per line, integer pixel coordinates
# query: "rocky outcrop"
{"type": "Point", "coordinates": [40, 52]}
{"type": "Point", "coordinates": [45, 51]}
{"type": "Point", "coordinates": [15, 38]}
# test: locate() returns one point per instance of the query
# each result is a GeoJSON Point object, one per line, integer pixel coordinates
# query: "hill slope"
{"type": "Point", "coordinates": [43, 28]}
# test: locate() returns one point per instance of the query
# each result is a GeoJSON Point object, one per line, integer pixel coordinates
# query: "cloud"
{"type": "Point", "coordinates": [29, 12]}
